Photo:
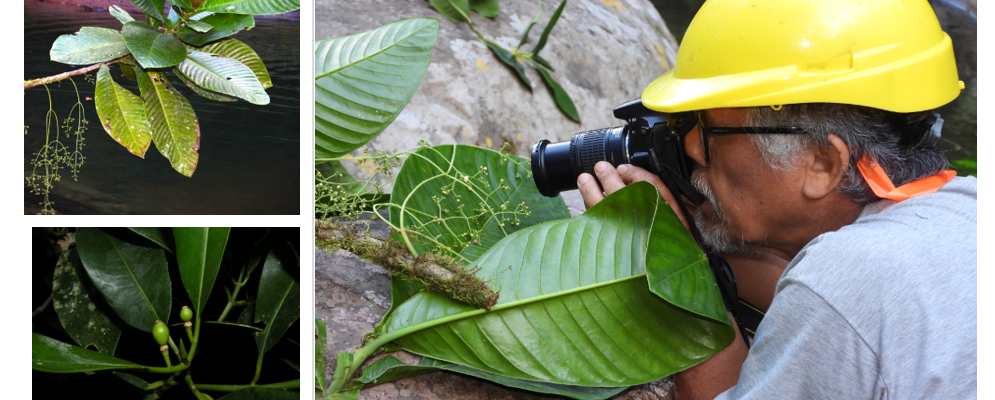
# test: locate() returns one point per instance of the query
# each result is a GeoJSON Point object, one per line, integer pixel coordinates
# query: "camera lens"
{"type": "Point", "coordinates": [556, 166]}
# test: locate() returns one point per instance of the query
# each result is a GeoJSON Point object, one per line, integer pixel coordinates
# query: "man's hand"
{"type": "Point", "coordinates": [614, 179]}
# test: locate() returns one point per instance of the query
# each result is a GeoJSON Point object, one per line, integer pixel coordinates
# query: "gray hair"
{"type": "Point", "coordinates": [865, 130]}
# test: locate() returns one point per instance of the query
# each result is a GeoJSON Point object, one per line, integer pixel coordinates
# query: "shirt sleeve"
{"type": "Point", "coordinates": [805, 349]}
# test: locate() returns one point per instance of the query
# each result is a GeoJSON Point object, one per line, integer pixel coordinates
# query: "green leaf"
{"type": "Point", "coordinates": [175, 129]}
{"type": "Point", "coordinates": [362, 81]}
{"type": "Point", "coordinates": [390, 368]}
{"type": "Point", "coordinates": [232, 48]}
{"type": "Point", "coordinates": [199, 26]}
{"type": "Point", "coordinates": [350, 394]}
{"type": "Point", "coordinates": [278, 304]}
{"type": "Point", "coordinates": [247, 315]}
{"type": "Point", "coordinates": [138, 384]}
{"type": "Point", "coordinates": [183, 4]}
{"type": "Point", "coordinates": [201, 91]}
{"type": "Point", "coordinates": [132, 278]}
{"type": "Point", "coordinates": [549, 27]}
{"type": "Point", "coordinates": [198, 253]}
{"type": "Point", "coordinates": [542, 61]}
{"type": "Point", "coordinates": [509, 59]}
{"type": "Point", "coordinates": [173, 18]}
{"type": "Point", "coordinates": [563, 100]}
{"type": "Point", "coordinates": [456, 10]}
{"type": "Point", "coordinates": [487, 8]}
{"type": "Point", "coordinates": [128, 71]}
{"type": "Point", "coordinates": [80, 307]}
{"type": "Point", "coordinates": [319, 354]}
{"type": "Point", "coordinates": [121, 15]}
{"type": "Point", "coordinates": [151, 8]}
{"type": "Point", "coordinates": [525, 35]}
{"type": "Point", "coordinates": [224, 75]}
{"type": "Point", "coordinates": [50, 355]}
{"type": "Point", "coordinates": [292, 364]}
{"type": "Point", "coordinates": [122, 114]}
{"type": "Point", "coordinates": [400, 291]}
{"type": "Point", "coordinates": [258, 393]}
{"type": "Point", "coordinates": [499, 190]}
{"type": "Point", "coordinates": [151, 48]}
{"type": "Point", "coordinates": [224, 25]}
{"type": "Point", "coordinates": [88, 46]}
{"type": "Point", "coordinates": [160, 236]}
{"type": "Point", "coordinates": [254, 7]}
{"type": "Point", "coordinates": [575, 307]}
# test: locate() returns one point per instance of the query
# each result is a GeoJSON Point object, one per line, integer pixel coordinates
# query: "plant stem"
{"type": "Point", "coordinates": [182, 353]}
{"type": "Point", "coordinates": [155, 385]}
{"type": "Point", "coordinates": [259, 368]}
{"type": "Point", "coordinates": [44, 305]}
{"type": "Point", "coordinates": [165, 355]}
{"type": "Point", "coordinates": [294, 384]}
{"type": "Point", "coordinates": [193, 339]}
{"type": "Point", "coordinates": [193, 388]}
{"type": "Point", "coordinates": [64, 75]}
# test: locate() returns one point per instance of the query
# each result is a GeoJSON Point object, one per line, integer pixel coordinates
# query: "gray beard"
{"type": "Point", "coordinates": [717, 237]}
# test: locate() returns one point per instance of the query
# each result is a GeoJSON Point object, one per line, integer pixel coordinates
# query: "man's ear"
{"type": "Point", "coordinates": [827, 168]}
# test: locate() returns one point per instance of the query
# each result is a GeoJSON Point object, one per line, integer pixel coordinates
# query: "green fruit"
{"type": "Point", "coordinates": [161, 333]}
{"type": "Point", "coordinates": [186, 314]}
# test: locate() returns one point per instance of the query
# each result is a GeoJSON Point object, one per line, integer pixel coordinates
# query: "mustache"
{"type": "Point", "coordinates": [716, 237]}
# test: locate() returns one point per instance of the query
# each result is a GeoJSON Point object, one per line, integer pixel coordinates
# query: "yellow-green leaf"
{"type": "Point", "coordinates": [175, 129]}
{"type": "Point", "coordinates": [122, 114]}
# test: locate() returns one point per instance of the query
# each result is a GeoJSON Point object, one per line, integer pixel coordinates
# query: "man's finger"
{"type": "Point", "coordinates": [589, 190]}
{"type": "Point", "coordinates": [608, 176]}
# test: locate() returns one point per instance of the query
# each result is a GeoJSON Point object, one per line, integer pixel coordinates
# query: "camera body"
{"type": "Point", "coordinates": [650, 139]}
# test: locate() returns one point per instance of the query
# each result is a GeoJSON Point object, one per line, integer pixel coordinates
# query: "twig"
{"type": "Point", "coordinates": [44, 305]}
{"type": "Point", "coordinates": [64, 75]}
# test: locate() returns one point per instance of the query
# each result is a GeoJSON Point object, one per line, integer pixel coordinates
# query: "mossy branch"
{"type": "Point", "coordinates": [55, 78]}
{"type": "Point", "coordinates": [438, 273]}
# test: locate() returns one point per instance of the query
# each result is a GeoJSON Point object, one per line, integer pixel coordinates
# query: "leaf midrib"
{"type": "Point", "coordinates": [133, 278]}
{"type": "Point", "coordinates": [367, 57]}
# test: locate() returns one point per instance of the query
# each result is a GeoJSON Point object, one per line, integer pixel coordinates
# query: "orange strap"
{"type": "Point", "coordinates": [884, 188]}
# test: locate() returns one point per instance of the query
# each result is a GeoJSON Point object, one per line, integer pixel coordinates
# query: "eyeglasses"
{"type": "Point", "coordinates": [704, 130]}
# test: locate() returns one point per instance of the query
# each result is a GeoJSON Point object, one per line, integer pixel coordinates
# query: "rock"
{"type": "Point", "coordinates": [352, 295]}
{"type": "Point", "coordinates": [604, 53]}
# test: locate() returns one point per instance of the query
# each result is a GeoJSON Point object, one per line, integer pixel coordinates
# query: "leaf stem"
{"type": "Point", "coordinates": [294, 384]}
{"type": "Point", "coordinates": [231, 300]}
{"type": "Point", "coordinates": [44, 305]}
{"type": "Point", "coordinates": [193, 388]}
{"type": "Point", "coordinates": [54, 78]}
{"type": "Point", "coordinates": [193, 339]}
{"type": "Point", "coordinates": [259, 368]}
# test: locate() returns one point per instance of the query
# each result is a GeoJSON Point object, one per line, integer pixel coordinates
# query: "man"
{"type": "Point", "coordinates": [839, 173]}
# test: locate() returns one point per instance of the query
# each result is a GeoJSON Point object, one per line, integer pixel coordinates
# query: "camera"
{"type": "Point", "coordinates": [650, 139]}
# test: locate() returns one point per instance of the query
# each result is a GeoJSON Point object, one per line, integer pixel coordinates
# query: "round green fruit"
{"type": "Point", "coordinates": [186, 314]}
{"type": "Point", "coordinates": [161, 333]}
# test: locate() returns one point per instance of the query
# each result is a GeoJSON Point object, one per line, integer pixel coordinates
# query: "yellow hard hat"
{"type": "Point", "coordinates": [889, 54]}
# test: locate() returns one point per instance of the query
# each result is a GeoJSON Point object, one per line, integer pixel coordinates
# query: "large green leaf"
{"type": "Point", "coordinates": [175, 129]}
{"type": "Point", "coordinates": [320, 344]}
{"type": "Point", "coordinates": [160, 236]}
{"type": "Point", "coordinates": [486, 8]}
{"type": "Point", "coordinates": [88, 46]}
{"type": "Point", "coordinates": [278, 304]}
{"type": "Point", "coordinates": [122, 114]}
{"type": "Point", "coordinates": [574, 305]}
{"type": "Point", "coordinates": [449, 191]}
{"type": "Point", "coordinates": [121, 15]}
{"type": "Point", "coordinates": [152, 48]}
{"type": "Point", "coordinates": [233, 48]}
{"type": "Point", "coordinates": [151, 8]}
{"type": "Point", "coordinates": [80, 307]}
{"type": "Point", "coordinates": [390, 368]}
{"type": "Point", "coordinates": [362, 81]}
{"type": "Point", "coordinates": [201, 91]}
{"type": "Point", "coordinates": [455, 10]}
{"type": "Point", "coordinates": [254, 7]}
{"type": "Point", "coordinates": [50, 355]}
{"type": "Point", "coordinates": [198, 253]}
{"type": "Point", "coordinates": [259, 393]}
{"type": "Point", "coordinates": [132, 278]}
{"type": "Point", "coordinates": [224, 25]}
{"type": "Point", "coordinates": [223, 74]}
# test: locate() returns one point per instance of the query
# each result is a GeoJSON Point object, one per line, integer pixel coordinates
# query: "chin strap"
{"type": "Point", "coordinates": [884, 188]}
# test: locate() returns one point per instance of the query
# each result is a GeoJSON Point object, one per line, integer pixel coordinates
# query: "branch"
{"type": "Point", "coordinates": [54, 78]}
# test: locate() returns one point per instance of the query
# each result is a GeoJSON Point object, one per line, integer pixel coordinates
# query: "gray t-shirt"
{"type": "Point", "coordinates": [884, 308]}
